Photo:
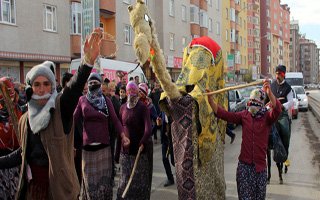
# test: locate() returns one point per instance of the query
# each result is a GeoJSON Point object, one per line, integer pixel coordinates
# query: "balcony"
{"type": "Point", "coordinates": [75, 44]}
{"type": "Point", "coordinates": [203, 31]}
{"type": "Point", "coordinates": [203, 5]}
{"type": "Point", "coordinates": [108, 6]}
{"type": "Point", "coordinates": [232, 46]}
{"type": "Point", "coordinates": [195, 29]}
{"type": "Point", "coordinates": [108, 48]}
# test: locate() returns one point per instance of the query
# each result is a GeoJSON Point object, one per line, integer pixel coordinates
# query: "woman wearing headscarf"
{"type": "Point", "coordinates": [8, 139]}
{"type": "Point", "coordinates": [46, 131]}
{"type": "Point", "coordinates": [137, 126]}
{"type": "Point", "coordinates": [256, 124]}
{"type": "Point", "coordinates": [96, 110]}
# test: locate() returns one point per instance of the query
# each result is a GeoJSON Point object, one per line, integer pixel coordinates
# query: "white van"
{"type": "Point", "coordinates": [294, 78]}
{"type": "Point", "coordinates": [109, 67]}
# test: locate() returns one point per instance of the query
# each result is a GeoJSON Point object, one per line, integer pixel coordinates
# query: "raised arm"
{"type": "Point", "coordinates": [74, 88]}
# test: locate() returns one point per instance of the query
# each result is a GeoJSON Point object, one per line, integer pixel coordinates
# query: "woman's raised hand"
{"type": "Point", "coordinates": [91, 47]}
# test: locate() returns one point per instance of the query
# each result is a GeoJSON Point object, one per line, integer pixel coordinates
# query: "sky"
{"type": "Point", "coordinates": [307, 12]}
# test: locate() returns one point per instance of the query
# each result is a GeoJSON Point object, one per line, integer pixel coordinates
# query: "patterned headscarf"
{"type": "Point", "coordinates": [255, 104]}
{"type": "Point", "coordinates": [94, 94]}
{"type": "Point", "coordinates": [132, 93]}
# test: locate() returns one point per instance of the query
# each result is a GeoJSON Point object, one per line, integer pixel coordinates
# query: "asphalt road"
{"type": "Point", "coordinates": [302, 182]}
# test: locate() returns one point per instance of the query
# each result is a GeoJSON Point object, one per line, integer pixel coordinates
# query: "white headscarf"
{"type": "Point", "coordinates": [39, 116]}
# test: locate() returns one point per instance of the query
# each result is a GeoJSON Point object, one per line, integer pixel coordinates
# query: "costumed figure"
{"type": "Point", "coordinates": [196, 133]}
{"type": "Point", "coordinates": [8, 138]}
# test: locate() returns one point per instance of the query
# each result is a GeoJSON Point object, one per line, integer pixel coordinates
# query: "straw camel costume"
{"type": "Point", "coordinates": [197, 133]}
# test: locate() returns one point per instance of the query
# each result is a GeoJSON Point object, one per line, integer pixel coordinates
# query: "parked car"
{"type": "Point", "coordinates": [295, 107]}
{"type": "Point", "coordinates": [245, 92]}
{"type": "Point", "coordinates": [302, 97]}
{"type": "Point", "coordinates": [236, 101]}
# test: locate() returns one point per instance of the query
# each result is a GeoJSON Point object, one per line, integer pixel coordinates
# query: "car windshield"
{"type": "Point", "coordinates": [232, 96]}
{"type": "Point", "coordinates": [246, 91]}
{"type": "Point", "coordinates": [299, 90]}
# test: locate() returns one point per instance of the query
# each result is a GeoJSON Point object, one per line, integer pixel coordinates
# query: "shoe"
{"type": "Point", "coordinates": [285, 169]}
{"type": "Point", "coordinates": [281, 181]}
{"type": "Point", "coordinates": [168, 183]}
{"type": "Point", "coordinates": [232, 139]}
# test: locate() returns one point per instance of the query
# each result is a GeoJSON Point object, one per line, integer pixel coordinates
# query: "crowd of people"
{"type": "Point", "coordinates": [69, 139]}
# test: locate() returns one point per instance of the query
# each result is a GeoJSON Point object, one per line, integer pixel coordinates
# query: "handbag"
{"type": "Point", "coordinates": [279, 152]}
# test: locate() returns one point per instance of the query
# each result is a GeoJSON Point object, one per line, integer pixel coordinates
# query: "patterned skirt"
{"type": "Point", "coordinates": [251, 184]}
{"type": "Point", "coordinates": [140, 185]}
{"type": "Point", "coordinates": [9, 182]}
{"type": "Point", "coordinates": [96, 174]}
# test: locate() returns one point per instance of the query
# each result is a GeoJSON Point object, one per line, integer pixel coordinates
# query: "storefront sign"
{"type": "Point", "coordinates": [177, 62]}
{"type": "Point", "coordinates": [230, 61]}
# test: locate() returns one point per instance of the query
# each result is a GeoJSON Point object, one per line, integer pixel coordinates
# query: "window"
{"type": "Point", "coordinates": [203, 19]}
{"type": "Point", "coordinates": [210, 25]}
{"type": "Point", "coordinates": [210, 3]}
{"type": "Point", "coordinates": [76, 18]}
{"type": "Point", "coordinates": [50, 18]}
{"type": "Point", "coordinates": [127, 34]}
{"type": "Point", "coordinates": [8, 11]}
{"type": "Point", "coordinates": [217, 4]}
{"type": "Point", "coordinates": [227, 35]}
{"type": "Point", "coordinates": [218, 28]}
{"type": "Point", "coordinates": [268, 13]}
{"type": "Point", "coordinates": [232, 35]}
{"type": "Point", "coordinates": [171, 8]}
{"type": "Point", "coordinates": [184, 13]}
{"type": "Point", "coordinates": [227, 13]}
{"type": "Point", "coordinates": [146, 2]}
{"type": "Point", "coordinates": [232, 14]}
{"type": "Point", "coordinates": [194, 14]}
{"type": "Point", "coordinates": [171, 41]}
{"type": "Point", "coordinates": [183, 42]}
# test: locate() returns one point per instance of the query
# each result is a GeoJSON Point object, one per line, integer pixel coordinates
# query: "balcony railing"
{"type": "Point", "coordinates": [108, 6]}
{"type": "Point", "coordinates": [108, 48]}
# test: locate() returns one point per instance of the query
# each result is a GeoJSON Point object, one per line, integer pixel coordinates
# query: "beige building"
{"type": "Point", "coordinates": [234, 20]}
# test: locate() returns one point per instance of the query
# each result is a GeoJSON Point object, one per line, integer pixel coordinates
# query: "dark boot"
{"type": "Point", "coordinates": [280, 166]}
{"type": "Point", "coordinates": [168, 183]}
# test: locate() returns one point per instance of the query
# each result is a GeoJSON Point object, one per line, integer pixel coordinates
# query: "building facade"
{"type": "Point", "coordinates": [294, 47]}
{"type": "Point", "coordinates": [308, 60]}
{"type": "Point", "coordinates": [275, 36]}
{"type": "Point", "coordinates": [28, 41]}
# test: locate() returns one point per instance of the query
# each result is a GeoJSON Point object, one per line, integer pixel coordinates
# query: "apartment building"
{"type": "Point", "coordinates": [308, 60]}
{"type": "Point", "coordinates": [294, 47]}
{"type": "Point", "coordinates": [32, 32]}
{"type": "Point", "coordinates": [284, 31]}
{"type": "Point", "coordinates": [235, 48]}
{"type": "Point", "coordinates": [275, 32]}
{"type": "Point", "coordinates": [177, 23]}
{"type": "Point", "coordinates": [253, 38]}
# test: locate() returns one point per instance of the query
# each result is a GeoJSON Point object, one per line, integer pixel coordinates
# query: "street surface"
{"type": "Point", "coordinates": [302, 182]}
